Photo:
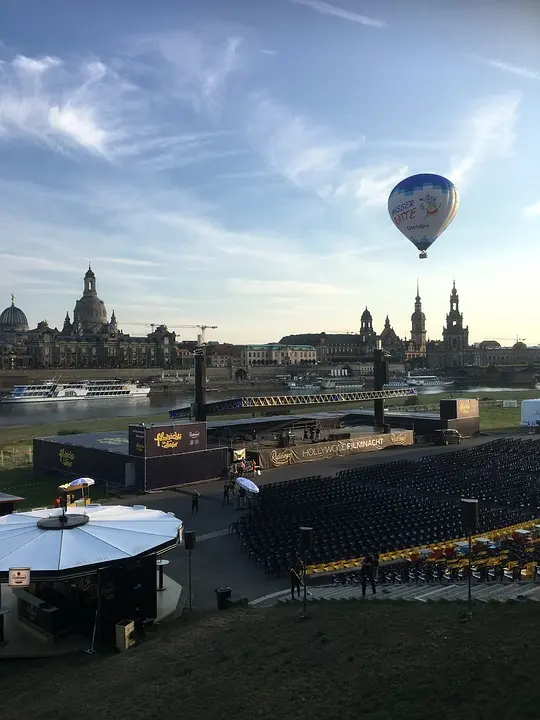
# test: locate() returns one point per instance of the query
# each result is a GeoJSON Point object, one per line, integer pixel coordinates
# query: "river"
{"type": "Point", "coordinates": [154, 404]}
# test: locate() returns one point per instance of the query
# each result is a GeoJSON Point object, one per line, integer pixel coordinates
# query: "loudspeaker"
{"type": "Point", "coordinates": [189, 539]}
{"type": "Point", "coordinates": [306, 539]}
{"type": "Point", "coordinates": [469, 514]}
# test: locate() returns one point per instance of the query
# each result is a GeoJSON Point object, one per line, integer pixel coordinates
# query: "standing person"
{"type": "Point", "coordinates": [295, 572]}
{"type": "Point", "coordinates": [195, 503]}
{"type": "Point", "coordinates": [366, 575]}
{"type": "Point", "coordinates": [226, 490]}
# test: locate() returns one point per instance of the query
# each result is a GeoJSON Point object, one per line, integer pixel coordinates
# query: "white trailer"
{"type": "Point", "coordinates": [530, 413]}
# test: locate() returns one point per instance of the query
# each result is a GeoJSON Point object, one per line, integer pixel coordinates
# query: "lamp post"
{"type": "Point", "coordinates": [189, 544]}
{"type": "Point", "coordinates": [306, 543]}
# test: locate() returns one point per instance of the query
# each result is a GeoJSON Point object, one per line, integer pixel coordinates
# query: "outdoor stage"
{"type": "Point", "coordinates": [361, 440]}
{"type": "Point", "coordinates": [145, 458]}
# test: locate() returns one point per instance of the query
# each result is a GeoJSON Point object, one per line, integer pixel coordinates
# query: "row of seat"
{"type": "Point", "coordinates": [388, 508]}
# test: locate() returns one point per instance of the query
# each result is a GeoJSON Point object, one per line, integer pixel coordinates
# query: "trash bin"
{"type": "Point", "coordinates": [222, 595]}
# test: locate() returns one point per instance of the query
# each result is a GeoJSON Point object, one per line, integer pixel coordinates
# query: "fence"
{"type": "Point", "coordinates": [15, 457]}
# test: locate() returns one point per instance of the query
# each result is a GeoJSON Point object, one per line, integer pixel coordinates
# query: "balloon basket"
{"type": "Point", "coordinates": [423, 255]}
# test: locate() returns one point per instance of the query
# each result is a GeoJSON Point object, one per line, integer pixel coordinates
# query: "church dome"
{"type": "Point", "coordinates": [519, 346]}
{"type": "Point", "coordinates": [418, 315]}
{"type": "Point", "coordinates": [13, 318]}
{"type": "Point", "coordinates": [90, 312]}
{"type": "Point", "coordinates": [366, 316]}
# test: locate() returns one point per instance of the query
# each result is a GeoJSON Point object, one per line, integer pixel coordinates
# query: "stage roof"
{"type": "Point", "coordinates": [117, 441]}
{"type": "Point", "coordinates": [7, 498]}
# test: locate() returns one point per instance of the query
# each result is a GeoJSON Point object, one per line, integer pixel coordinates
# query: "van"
{"type": "Point", "coordinates": [446, 437]}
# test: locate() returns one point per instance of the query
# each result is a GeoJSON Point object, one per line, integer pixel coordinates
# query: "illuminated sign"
{"type": "Point", "coordinates": [168, 441]}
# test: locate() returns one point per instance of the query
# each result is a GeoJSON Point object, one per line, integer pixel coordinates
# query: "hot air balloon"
{"type": "Point", "coordinates": [422, 207]}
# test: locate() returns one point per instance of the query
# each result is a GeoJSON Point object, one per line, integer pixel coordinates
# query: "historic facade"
{"type": "Point", "coordinates": [492, 353]}
{"type": "Point", "coordinates": [91, 340]}
{"type": "Point", "coordinates": [454, 350]}
{"type": "Point", "coordinates": [278, 354]}
{"type": "Point", "coordinates": [350, 347]}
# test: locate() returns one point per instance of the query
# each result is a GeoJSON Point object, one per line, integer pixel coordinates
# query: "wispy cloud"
{"type": "Point", "coordinates": [283, 288]}
{"type": "Point", "coordinates": [313, 159]}
{"type": "Point", "coordinates": [303, 153]}
{"type": "Point", "coordinates": [369, 186]}
{"type": "Point", "coordinates": [510, 68]}
{"type": "Point", "coordinates": [325, 8]}
{"type": "Point", "coordinates": [489, 132]}
{"type": "Point", "coordinates": [198, 66]}
{"type": "Point", "coordinates": [132, 262]}
{"type": "Point", "coordinates": [532, 211]}
{"type": "Point", "coordinates": [92, 107]}
{"type": "Point", "coordinates": [42, 100]}
{"type": "Point", "coordinates": [427, 145]}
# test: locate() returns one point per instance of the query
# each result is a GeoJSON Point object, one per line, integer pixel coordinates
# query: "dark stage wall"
{"type": "Point", "coordinates": [167, 471]}
{"type": "Point", "coordinates": [73, 460]}
{"type": "Point", "coordinates": [149, 474]}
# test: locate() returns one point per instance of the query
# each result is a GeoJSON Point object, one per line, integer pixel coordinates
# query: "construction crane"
{"type": "Point", "coordinates": [201, 338]}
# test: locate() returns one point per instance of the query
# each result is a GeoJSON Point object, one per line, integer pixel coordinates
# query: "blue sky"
{"type": "Point", "coordinates": [228, 162]}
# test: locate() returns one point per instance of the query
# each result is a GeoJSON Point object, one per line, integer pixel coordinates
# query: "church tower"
{"type": "Point", "coordinates": [418, 323]}
{"type": "Point", "coordinates": [455, 335]}
{"type": "Point", "coordinates": [368, 336]}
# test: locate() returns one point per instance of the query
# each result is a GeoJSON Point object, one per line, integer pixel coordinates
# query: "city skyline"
{"type": "Point", "coordinates": [229, 163]}
{"type": "Point", "coordinates": [144, 327]}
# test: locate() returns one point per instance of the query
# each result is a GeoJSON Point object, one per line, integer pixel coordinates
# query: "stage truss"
{"type": "Point", "coordinates": [290, 400]}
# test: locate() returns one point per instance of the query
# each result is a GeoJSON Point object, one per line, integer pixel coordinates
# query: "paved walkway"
{"type": "Point", "coordinates": [217, 560]}
{"type": "Point", "coordinates": [429, 592]}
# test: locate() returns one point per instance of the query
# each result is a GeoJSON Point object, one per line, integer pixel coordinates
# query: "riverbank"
{"type": "Point", "coordinates": [493, 416]}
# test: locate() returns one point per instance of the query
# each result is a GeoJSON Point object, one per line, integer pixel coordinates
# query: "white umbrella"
{"type": "Point", "coordinates": [81, 482]}
{"type": "Point", "coordinates": [248, 485]}
{"type": "Point", "coordinates": [109, 533]}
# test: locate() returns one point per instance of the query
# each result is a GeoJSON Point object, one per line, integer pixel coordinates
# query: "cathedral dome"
{"type": "Point", "coordinates": [90, 312]}
{"type": "Point", "coordinates": [519, 346]}
{"type": "Point", "coordinates": [366, 316]}
{"type": "Point", "coordinates": [13, 318]}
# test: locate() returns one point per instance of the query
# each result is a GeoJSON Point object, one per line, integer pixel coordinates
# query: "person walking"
{"type": "Point", "coordinates": [295, 575]}
{"type": "Point", "coordinates": [195, 503]}
{"type": "Point", "coordinates": [367, 575]}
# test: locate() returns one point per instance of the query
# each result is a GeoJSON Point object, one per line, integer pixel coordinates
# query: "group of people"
{"type": "Point", "coordinates": [368, 575]}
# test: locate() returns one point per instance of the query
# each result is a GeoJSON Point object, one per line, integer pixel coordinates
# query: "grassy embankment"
{"type": "Point", "coordinates": [349, 660]}
{"type": "Point", "coordinates": [41, 491]}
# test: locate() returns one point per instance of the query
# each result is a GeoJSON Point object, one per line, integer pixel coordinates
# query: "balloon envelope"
{"type": "Point", "coordinates": [422, 207]}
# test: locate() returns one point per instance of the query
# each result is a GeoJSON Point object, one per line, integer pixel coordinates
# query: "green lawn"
{"type": "Point", "coordinates": [348, 660]}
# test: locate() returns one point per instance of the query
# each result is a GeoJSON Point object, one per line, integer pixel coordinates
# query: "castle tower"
{"type": "Point", "coordinates": [455, 335]}
{"type": "Point", "coordinates": [418, 323]}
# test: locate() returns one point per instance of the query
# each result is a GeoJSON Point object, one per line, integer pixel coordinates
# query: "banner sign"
{"type": "Point", "coordinates": [337, 448]}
